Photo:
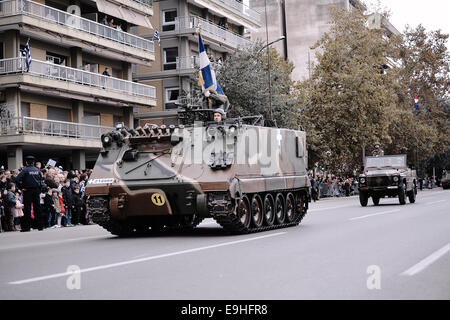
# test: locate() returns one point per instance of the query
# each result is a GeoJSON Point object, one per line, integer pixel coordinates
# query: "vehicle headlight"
{"type": "Point", "coordinates": [106, 140]}
{"type": "Point", "coordinates": [362, 180]}
{"type": "Point", "coordinates": [395, 179]}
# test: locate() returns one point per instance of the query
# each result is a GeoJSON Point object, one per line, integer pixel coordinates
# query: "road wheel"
{"type": "Point", "coordinates": [402, 195]}
{"type": "Point", "coordinates": [363, 198]}
{"type": "Point", "coordinates": [257, 211]}
{"type": "Point", "coordinates": [280, 211]}
{"type": "Point", "coordinates": [375, 200]}
{"type": "Point", "coordinates": [268, 207]}
{"type": "Point", "coordinates": [244, 213]}
{"type": "Point", "coordinates": [290, 207]}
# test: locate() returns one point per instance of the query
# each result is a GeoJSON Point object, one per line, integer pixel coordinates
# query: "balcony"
{"type": "Point", "coordinates": [219, 37]}
{"type": "Point", "coordinates": [27, 125]}
{"type": "Point", "coordinates": [42, 131]}
{"type": "Point", "coordinates": [233, 10]}
{"type": "Point", "coordinates": [145, 6]}
{"type": "Point", "coordinates": [38, 16]}
{"type": "Point", "coordinates": [187, 63]}
{"type": "Point", "coordinates": [75, 81]}
{"type": "Point", "coordinates": [184, 66]}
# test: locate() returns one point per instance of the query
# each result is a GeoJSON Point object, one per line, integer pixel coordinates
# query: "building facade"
{"type": "Point", "coordinates": [224, 25]}
{"type": "Point", "coordinates": [79, 83]}
{"type": "Point", "coordinates": [302, 22]}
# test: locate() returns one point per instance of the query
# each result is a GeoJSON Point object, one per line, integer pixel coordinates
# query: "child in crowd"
{"type": "Point", "coordinates": [18, 212]}
{"type": "Point", "coordinates": [10, 206]}
{"type": "Point", "coordinates": [49, 208]}
{"type": "Point", "coordinates": [77, 212]}
{"type": "Point", "coordinates": [63, 210]}
{"type": "Point", "coordinates": [68, 201]}
{"type": "Point", "coordinates": [57, 207]}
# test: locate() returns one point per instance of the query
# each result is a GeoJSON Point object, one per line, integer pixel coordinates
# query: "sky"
{"type": "Point", "coordinates": [432, 14]}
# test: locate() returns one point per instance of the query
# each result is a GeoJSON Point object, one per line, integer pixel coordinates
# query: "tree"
{"type": "Point", "coordinates": [350, 100]}
{"type": "Point", "coordinates": [244, 79]}
{"type": "Point", "coordinates": [425, 73]}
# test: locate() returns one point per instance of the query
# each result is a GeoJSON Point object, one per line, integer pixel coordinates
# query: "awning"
{"type": "Point", "coordinates": [124, 13]}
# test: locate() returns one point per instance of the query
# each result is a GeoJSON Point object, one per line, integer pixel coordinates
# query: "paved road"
{"type": "Point", "coordinates": [338, 252]}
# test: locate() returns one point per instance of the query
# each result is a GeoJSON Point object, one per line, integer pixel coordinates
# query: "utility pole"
{"type": "Point", "coordinates": [268, 62]}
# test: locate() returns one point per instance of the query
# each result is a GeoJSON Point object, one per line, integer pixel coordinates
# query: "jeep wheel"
{"type": "Point", "coordinates": [363, 198]}
{"type": "Point", "coordinates": [412, 196]}
{"type": "Point", "coordinates": [375, 200]}
{"type": "Point", "coordinates": [402, 195]}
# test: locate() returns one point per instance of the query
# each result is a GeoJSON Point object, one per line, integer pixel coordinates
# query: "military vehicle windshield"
{"type": "Point", "coordinates": [386, 162]}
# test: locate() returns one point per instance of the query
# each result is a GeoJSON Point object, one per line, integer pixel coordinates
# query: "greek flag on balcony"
{"type": "Point", "coordinates": [156, 36]}
{"type": "Point", "coordinates": [207, 76]}
{"type": "Point", "coordinates": [27, 55]}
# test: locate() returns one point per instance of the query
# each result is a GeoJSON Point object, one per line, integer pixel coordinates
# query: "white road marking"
{"type": "Point", "coordinates": [374, 214]}
{"type": "Point", "coordinates": [330, 208]}
{"type": "Point", "coordinates": [123, 263]}
{"type": "Point", "coordinates": [428, 203]}
{"type": "Point", "coordinates": [427, 261]}
{"type": "Point", "coordinates": [54, 242]}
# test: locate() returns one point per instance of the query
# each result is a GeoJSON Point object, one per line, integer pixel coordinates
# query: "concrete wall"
{"type": "Point", "coordinates": [158, 84]}
{"type": "Point", "coordinates": [306, 21]}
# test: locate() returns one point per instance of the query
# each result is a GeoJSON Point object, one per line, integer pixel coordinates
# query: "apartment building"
{"type": "Point", "coordinates": [225, 26]}
{"type": "Point", "coordinates": [303, 22]}
{"type": "Point", "coordinates": [79, 83]}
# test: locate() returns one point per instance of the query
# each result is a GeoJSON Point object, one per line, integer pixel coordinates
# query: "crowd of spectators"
{"type": "Point", "coordinates": [332, 186]}
{"type": "Point", "coordinates": [61, 198]}
{"type": "Point", "coordinates": [323, 186]}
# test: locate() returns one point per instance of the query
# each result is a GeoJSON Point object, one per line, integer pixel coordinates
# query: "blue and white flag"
{"type": "Point", "coordinates": [27, 55]}
{"type": "Point", "coordinates": [156, 37]}
{"type": "Point", "coordinates": [208, 77]}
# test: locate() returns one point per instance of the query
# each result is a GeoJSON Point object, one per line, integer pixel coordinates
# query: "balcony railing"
{"type": "Point", "coordinates": [14, 7]}
{"type": "Point", "coordinates": [189, 62]}
{"type": "Point", "coordinates": [240, 8]}
{"type": "Point", "coordinates": [59, 72]}
{"type": "Point", "coordinates": [27, 125]}
{"type": "Point", "coordinates": [146, 2]}
{"type": "Point", "coordinates": [192, 62]}
{"type": "Point", "coordinates": [213, 30]}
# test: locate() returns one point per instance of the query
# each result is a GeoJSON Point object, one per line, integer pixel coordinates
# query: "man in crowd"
{"type": "Point", "coordinates": [30, 181]}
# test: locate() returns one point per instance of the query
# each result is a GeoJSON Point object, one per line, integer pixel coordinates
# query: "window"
{"type": "Point", "coordinates": [25, 109]}
{"type": "Point", "coordinates": [169, 17]}
{"type": "Point", "coordinates": [55, 58]}
{"type": "Point", "coordinates": [91, 118]}
{"type": "Point", "coordinates": [58, 114]}
{"type": "Point", "coordinates": [171, 97]}
{"type": "Point", "coordinates": [170, 58]}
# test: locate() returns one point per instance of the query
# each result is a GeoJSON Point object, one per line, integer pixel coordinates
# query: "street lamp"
{"type": "Point", "coordinates": [268, 59]}
{"type": "Point", "coordinates": [271, 43]}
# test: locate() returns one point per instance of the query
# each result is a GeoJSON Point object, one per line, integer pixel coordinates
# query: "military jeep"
{"type": "Point", "coordinates": [387, 176]}
{"type": "Point", "coordinates": [445, 182]}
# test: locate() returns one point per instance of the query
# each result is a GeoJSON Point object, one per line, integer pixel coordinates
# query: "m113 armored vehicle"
{"type": "Point", "coordinates": [246, 175]}
{"type": "Point", "coordinates": [387, 176]}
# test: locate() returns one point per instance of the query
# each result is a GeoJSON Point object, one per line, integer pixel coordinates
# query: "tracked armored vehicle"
{"type": "Point", "coordinates": [247, 175]}
{"type": "Point", "coordinates": [387, 176]}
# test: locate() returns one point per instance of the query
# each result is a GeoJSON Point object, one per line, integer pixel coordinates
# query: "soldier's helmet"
{"type": "Point", "coordinates": [377, 144]}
